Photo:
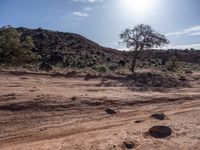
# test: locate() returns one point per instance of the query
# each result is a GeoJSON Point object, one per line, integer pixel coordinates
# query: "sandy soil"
{"type": "Point", "coordinates": [43, 112]}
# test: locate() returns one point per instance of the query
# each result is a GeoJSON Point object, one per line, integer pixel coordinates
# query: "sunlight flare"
{"type": "Point", "coordinates": [139, 7]}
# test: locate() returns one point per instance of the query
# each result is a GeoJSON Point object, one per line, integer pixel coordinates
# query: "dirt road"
{"type": "Point", "coordinates": [44, 112]}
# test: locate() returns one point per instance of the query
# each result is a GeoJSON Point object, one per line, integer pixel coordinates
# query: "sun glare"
{"type": "Point", "coordinates": [139, 7]}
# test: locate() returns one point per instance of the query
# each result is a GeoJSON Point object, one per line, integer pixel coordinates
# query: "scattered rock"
{"type": "Point", "coordinates": [12, 107]}
{"type": "Point", "coordinates": [9, 95]}
{"type": "Point", "coordinates": [56, 57]}
{"type": "Point", "coordinates": [160, 116]}
{"type": "Point", "coordinates": [110, 111]}
{"type": "Point", "coordinates": [45, 66]}
{"type": "Point", "coordinates": [128, 145]}
{"type": "Point", "coordinates": [188, 71]}
{"type": "Point", "coordinates": [155, 80]}
{"type": "Point", "coordinates": [160, 131]}
{"type": "Point", "coordinates": [32, 90]}
{"type": "Point", "coordinates": [23, 78]}
{"type": "Point", "coordinates": [73, 98]}
{"type": "Point", "coordinates": [183, 78]}
{"type": "Point", "coordinates": [91, 103]}
{"type": "Point", "coordinates": [71, 74]}
{"type": "Point", "coordinates": [139, 121]}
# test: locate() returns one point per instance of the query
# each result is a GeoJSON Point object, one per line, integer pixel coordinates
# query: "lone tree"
{"type": "Point", "coordinates": [141, 37]}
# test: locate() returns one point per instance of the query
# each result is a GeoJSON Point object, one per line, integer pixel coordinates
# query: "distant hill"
{"type": "Point", "coordinates": [188, 56]}
{"type": "Point", "coordinates": [73, 50]}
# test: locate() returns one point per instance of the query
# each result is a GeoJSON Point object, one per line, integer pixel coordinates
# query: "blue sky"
{"type": "Point", "coordinates": [103, 20]}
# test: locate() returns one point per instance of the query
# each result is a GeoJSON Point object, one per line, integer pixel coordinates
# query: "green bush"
{"type": "Point", "coordinates": [102, 69]}
{"type": "Point", "coordinates": [172, 63]}
{"type": "Point", "coordinates": [113, 67]}
{"type": "Point", "coordinates": [15, 49]}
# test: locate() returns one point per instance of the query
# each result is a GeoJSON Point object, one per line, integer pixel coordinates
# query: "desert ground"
{"type": "Point", "coordinates": [45, 112]}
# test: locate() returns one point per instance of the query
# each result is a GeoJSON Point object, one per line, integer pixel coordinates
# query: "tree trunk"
{"type": "Point", "coordinates": [133, 65]}
{"type": "Point", "coordinates": [134, 60]}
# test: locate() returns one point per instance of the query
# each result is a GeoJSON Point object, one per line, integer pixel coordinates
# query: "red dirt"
{"type": "Point", "coordinates": [57, 113]}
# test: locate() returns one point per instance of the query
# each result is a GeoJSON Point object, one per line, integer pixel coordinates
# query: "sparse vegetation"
{"type": "Point", "coordinates": [102, 69]}
{"type": "Point", "coordinates": [142, 37]}
{"type": "Point", "coordinates": [59, 51]}
{"type": "Point", "coordinates": [172, 64]}
{"type": "Point", "coordinates": [15, 49]}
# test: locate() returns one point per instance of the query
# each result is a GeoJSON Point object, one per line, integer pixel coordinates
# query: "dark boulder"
{"type": "Point", "coordinates": [160, 131]}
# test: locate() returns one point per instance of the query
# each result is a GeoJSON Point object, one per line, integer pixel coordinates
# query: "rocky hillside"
{"type": "Point", "coordinates": [73, 50]}
{"type": "Point", "coordinates": [70, 50]}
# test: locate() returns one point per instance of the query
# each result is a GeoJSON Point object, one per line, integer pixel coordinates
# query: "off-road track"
{"type": "Point", "coordinates": [45, 112]}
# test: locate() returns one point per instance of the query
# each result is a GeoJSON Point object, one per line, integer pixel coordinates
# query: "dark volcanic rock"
{"type": "Point", "coordinates": [160, 116]}
{"type": "Point", "coordinates": [70, 49]}
{"type": "Point", "coordinates": [110, 111]}
{"type": "Point", "coordinates": [139, 121]}
{"type": "Point", "coordinates": [45, 66]}
{"type": "Point", "coordinates": [188, 71]}
{"type": "Point", "coordinates": [129, 144]}
{"type": "Point", "coordinates": [160, 131]}
{"type": "Point", "coordinates": [183, 78]}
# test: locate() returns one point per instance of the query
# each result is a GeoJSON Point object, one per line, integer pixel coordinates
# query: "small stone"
{"type": "Point", "coordinates": [129, 145]}
{"type": "Point", "coordinates": [139, 121]}
{"type": "Point", "coordinates": [160, 116]}
{"type": "Point", "coordinates": [110, 111]}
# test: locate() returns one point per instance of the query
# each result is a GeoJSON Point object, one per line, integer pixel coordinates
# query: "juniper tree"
{"type": "Point", "coordinates": [141, 37]}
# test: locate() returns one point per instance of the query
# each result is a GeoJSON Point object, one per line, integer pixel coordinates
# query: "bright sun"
{"type": "Point", "coordinates": [140, 6]}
